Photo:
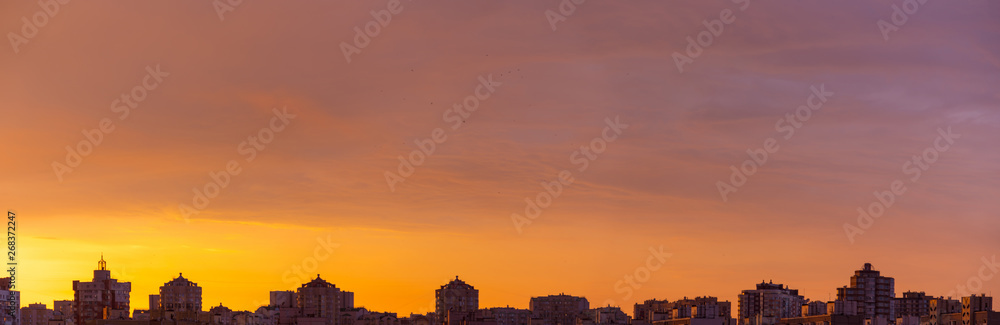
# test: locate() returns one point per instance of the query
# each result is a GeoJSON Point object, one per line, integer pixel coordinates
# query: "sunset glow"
{"type": "Point", "coordinates": [589, 154]}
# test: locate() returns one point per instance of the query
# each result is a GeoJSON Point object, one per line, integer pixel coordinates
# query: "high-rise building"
{"type": "Point", "coordinates": [813, 308]}
{"type": "Point", "coordinates": [62, 312]}
{"type": "Point", "coordinates": [558, 309]}
{"type": "Point", "coordinates": [699, 308]}
{"type": "Point", "coordinates": [282, 299]}
{"type": "Point", "coordinates": [154, 303]}
{"type": "Point", "coordinates": [318, 302]}
{"type": "Point", "coordinates": [912, 304]}
{"type": "Point", "coordinates": [644, 313]}
{"type": "Point", "coordinates": [974, 310]}
{"type": "Point", "coordinates": [455, 301]}
{"type": "Point", "coordinates": [872, 291]}
{"type": "Point", "coordinates": [843, 307]}
{"type": "Point", "coordinates": [35, 314]}
{"type": "Point", "coordinates": [836, 313]}
{"type": "Point", "coordinates": [282, 307]}
{"type": "Point", "coordinates": [607, 316]}
{"type": "Point", "coordinates": [101, 298]}
{"type": "Point", "coordinates": [974, 304]}
{"type": "Point", "coordinates": [346, 300]}
{"type": "Point", "coordinates": [10, 302]}
{"type": "Point", "coordinates": [768, 304]}
{"type": "Point", "coordinates": [63, 307]}
{"type": "Point", "coordinates": [179, 300]}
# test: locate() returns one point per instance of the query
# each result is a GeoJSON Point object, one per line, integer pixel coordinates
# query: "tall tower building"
{"type": "Point", "coordinates": [318, 302]}
{"type": "Point", "coordinates": [101, 298]}
{"type": "Point", "coordinates": [872, 291]}
{"type": "Point", "coordinates": [456, 297]}
{"type": "Point", "coordinates": [179, 300]}
{"type": "Point", "coordinates": [768, 304]}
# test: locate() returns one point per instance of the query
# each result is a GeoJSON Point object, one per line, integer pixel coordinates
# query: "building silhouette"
{"type": "Point", "coordinates": [912, 304]}
{"type": "Point", "coordinates": [101, 298]}
{"type": "Point", "coordinates": [608, 315]}
{"type": "Point", "coordinates": [697, 311]}
{"type": "Point", "coordinates": [319, 303]}
{"type": "Point", "coordinates": [179, 300]}
{"type": "Point", "coordinates": [769, 303]}
{"type": "Point", "coordinates": [282, 307]}
{"type": "Point", "coordinates": [975, 310]}
{"type": "Point", "coordinates": [455, 301]}
{"type": "Point", "coordinates": [62, 312]}
{"type": "Point", "coordinates": [35, 314]}
{"type": "Point", "coordinates": [154, 305]}
{"type": "Point", "coordinates": [558, 309]}
{"type": "Point", "coordinates": [10, 302]}
{"type": "Point", "coordinates": [282, 299]}
{"type": "Point", "coordinates": [503, 316]}
{"type": "Point", "coordinates": [220, 315]}
{"type": "Point", "coordinates": [869, 300]}
{"type": "Point", "coordinates": [872, 291]}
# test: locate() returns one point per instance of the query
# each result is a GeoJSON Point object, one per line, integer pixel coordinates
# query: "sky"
{"type": "Point", "coordinates": [621, 123]}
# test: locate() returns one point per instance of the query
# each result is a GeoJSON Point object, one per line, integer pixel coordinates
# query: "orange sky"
{"type": "Point", "coordinates": [322, 177]}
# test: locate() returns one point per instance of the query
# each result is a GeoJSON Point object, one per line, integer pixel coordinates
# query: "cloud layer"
{"type": "Point", "coordinates": [324, 174]}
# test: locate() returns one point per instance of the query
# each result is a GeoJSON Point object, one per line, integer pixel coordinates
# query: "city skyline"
{"type": "Point", "coordinates": [625, 307]}
{"type": "Point", "coordinates": [617, 151]}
